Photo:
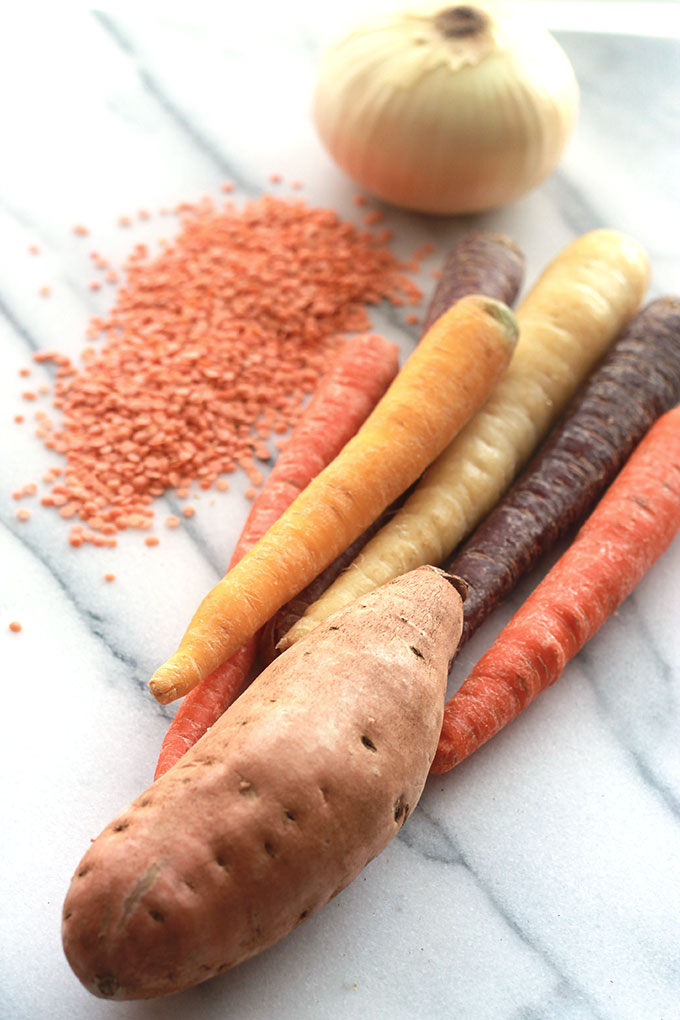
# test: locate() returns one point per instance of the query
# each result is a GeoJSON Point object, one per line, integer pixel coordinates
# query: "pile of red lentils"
{"type": "Point", "coordinates": [211, 347]}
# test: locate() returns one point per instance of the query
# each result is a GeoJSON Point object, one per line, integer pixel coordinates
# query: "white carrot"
{"type": "Point", "coordinates": [567, 322]}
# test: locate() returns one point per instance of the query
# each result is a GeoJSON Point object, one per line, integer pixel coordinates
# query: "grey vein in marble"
{"type": "Point", "coordinates": [438, 845]}
{"type": "Point", "coordinates": [204, 145]}
{"type": "Point", "coordinates": [589, 660]}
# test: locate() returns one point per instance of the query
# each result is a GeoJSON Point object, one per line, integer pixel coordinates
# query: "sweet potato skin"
{"type": "Point", "coordinates": [278, 807]}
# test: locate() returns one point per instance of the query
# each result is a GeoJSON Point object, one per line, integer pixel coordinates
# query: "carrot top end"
{"type": "Point", "coordinates": [503, 315]}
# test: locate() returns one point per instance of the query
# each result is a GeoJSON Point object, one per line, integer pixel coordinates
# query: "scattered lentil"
{"type": "Point", "coordinates": [425, 249]}
{"type": "Point", "coordinates": [15, 626]}
{"type": "Point", "coordinates": [171, 521]}
{"type": "Point", "coordinates": [210, 347]}
{"type": "Point", "coordinates": [151, 540]}
{"type": "Point", "coordinates": [26, 490]}
{"type": "Point", "coordinates": [23, 514]}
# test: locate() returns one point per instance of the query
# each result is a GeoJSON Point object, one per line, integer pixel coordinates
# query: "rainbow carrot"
{"type": "Point", "coordinates": [635, 521]}
{"type": "Point", "coordinates": [345, 396]}
{"type": "Point", "coordinates": [637, 383]}
{"type": "Point", "coordinates": [480, 263]}
{"type": "Point", "coordinates": [567, 322]}
{"type": "Point", "coordinates": [445, 380]}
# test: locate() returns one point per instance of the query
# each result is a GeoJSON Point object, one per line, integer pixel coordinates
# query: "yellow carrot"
{"type": "Point", "coordinates": [567, 322]}
{"type": "Point", "coordinates": [445, 380]}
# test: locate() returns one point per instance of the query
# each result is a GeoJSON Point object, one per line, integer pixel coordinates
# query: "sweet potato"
{"type": "Point", "coordinates": [278, 807]}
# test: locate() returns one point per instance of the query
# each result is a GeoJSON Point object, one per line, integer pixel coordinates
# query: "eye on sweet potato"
{"type": "Point", "coordinates": [278, 807]}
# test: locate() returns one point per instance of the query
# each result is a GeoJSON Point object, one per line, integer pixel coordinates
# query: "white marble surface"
{"type": "Point", "coordinates": [538, 881]}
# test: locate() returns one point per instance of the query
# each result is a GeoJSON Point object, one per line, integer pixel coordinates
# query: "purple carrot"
{"type": "Point", "coordinates": [637, 383]}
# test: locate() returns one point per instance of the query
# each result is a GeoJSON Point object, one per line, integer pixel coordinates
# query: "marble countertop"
{"type": "Point", "coordinates": [540, 879]}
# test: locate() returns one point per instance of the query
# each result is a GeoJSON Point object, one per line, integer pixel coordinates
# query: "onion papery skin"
{"type": "Point", "coordinates": [431, 134]}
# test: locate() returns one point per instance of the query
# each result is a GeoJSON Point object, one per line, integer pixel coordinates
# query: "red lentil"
{"type": "Point", "coordinates": [424, 250]}
{"type": "Point", "coordinates": [109, 577]}
{"type": "Point", "coordinates": [23, 514]}
{"type": "Point", "coordinates": [151, 540]}
{"type": "Point", "coordinates": [210, 347]}
{"type": "Point", "coordinates": [26, 490]}
{"type": "Point", "coordinates": [15, 627]}
{"type": "Point", "coordinates": [80, 230]}
{"type": "Point", "coordinates": [189, 511]}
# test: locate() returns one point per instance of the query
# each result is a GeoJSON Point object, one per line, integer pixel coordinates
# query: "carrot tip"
{"type": "Point", "coordinates": [174, 679]}
{"type": "Point", "coordinates": [164, 691]}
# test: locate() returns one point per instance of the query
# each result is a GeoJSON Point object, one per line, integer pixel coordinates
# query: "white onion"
{"type": "Point", "coordinates": [446, 109]}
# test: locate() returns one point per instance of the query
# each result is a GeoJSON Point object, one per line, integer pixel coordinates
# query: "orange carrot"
{"type": "Point", "coordinates": [445, 380]}
{"type": "Point", "coordinates": [343, 399]}
{"type": "Point", "coordinates": [635, 521]}
{"type": "Point", "coordinates": [480, 263]}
